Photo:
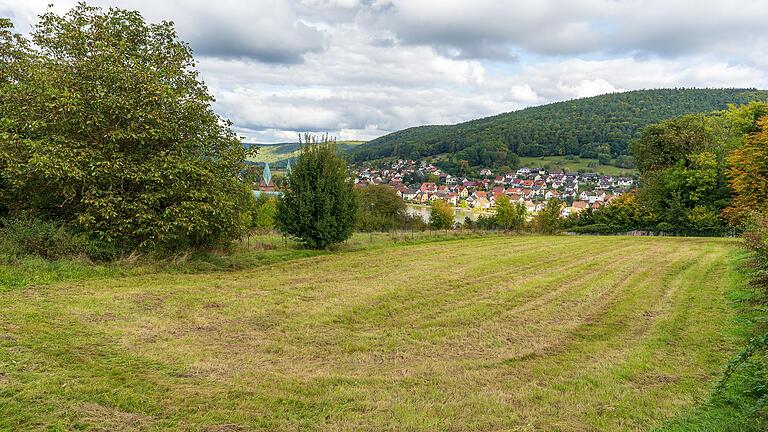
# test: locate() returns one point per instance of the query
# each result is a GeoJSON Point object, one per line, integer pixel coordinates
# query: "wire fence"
{"type": "Point", "coordinates": [273, 240]}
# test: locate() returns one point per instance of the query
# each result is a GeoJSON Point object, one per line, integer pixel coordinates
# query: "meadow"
{"type": "Point", "coordinates": [282, 152]}
{"type": "Point", "coordinates": [476, 333]}
{"type": "Point", "coordinates": [575, 164]}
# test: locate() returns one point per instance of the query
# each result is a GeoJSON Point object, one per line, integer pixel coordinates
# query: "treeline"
{"type": "Point", "coordinates": [596, 127]}
{"type": "Point", "coordinates": [699, 174]}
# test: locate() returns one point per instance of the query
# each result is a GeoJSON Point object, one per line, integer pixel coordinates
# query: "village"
{"type": "Point", "coordinates": [531, 186]}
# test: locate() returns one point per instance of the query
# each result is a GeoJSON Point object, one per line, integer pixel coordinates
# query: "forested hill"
{"type": "Point", "coordinates": [586, 127]}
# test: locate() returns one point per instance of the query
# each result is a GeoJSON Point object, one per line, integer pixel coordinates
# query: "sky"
{"type": "Point", "coordinates": [359, 69]}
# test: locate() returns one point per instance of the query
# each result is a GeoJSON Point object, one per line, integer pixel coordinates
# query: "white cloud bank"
{"type": "Point", "coordinates": [361, 68]}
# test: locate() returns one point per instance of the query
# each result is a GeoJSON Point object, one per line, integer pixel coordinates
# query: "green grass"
{"type": "Point", "coordinates": [486, 333]}
{"type": "Point", "coordinates": [257, 250]}
{"type": "Point", "coordinates": [571, 165]}
{"type": "Point", "coordinates": [740, 403]}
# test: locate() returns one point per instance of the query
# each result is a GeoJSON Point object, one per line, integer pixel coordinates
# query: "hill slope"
{"type": "Point", "coordinates": [586, 127]}
{"type": "Point", "coordinates": [281, 152]}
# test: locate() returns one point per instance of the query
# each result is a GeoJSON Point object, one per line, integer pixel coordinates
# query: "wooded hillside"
{"type": "Point", "coordinates": [587, 127]}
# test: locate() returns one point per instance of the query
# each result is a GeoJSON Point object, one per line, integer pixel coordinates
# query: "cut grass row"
{"type": "Point", "coordinates": [255, 251]}
{"type": "Point", "coordinates": [495, 333]}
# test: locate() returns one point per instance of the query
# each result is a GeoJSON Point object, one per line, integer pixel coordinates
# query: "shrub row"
{"type": "Point", "coordinates": [51, 240]}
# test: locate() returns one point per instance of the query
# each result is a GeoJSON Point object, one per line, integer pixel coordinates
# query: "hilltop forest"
{"type": "Point", "coordinates": [596, 127]}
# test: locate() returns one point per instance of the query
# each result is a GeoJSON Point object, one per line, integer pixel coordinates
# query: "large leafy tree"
{"type": "Point", "coordinates": [748, 176]}
{"type": "Point", "coordinates": [319, 206]}
{"type": "Point", "coordinates": [380, 209]}
{"type": "Point", "coordinates": [683, 164]}
{"type": "Point", "coordinates": [105, 124]}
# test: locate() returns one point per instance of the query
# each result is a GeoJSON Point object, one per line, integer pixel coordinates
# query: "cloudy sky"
{"type": "Point", "coordinates": [362, 68]}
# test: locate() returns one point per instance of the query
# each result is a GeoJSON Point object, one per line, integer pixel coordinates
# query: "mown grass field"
{"type": "Point", "coordinates": [485, 334]}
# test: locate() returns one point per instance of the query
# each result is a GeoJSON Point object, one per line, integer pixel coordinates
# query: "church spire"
{"type": "Point", "coordinates": [288, 167]}
{"type": "Point", "coordinates": [267, 174]}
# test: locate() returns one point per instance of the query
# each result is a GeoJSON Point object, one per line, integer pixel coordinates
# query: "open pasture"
{"type": "Point", "coordinates": [495, 333]}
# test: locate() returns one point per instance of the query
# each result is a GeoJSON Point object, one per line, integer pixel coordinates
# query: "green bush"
{"type": "Point", "coordinates": [486, 222]}
{"type": "Point", "coordinates": [263, 212]}
{"type": "Point", "coordinates": [415, 223]}
{"type": "Point", "coordinates": [319, 206]}
{"type": "Point", "coordinates": [50, 240]}
{"type": "Point", "coordinates": [548, 221]}
{"type": "Point", "coordinates": [441, 215]}
{"type": "Point", "coordinates": [379, 209]}
{"type": "Point", "coordinates": [510, 216]}
{"type": "Point", "coordinates": [598, 228]}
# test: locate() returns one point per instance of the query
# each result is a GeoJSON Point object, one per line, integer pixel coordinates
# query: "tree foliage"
{"type": "Point", "coordinates": [548, 220]}
{"type": "Point", "coordinates": [380, 209]}
{"type": "Point", "coordinates": [695, 170]}
{"type": "Point", "coordinates": [683, 164]}
{"type": "Point", "coordinates": [319, 206]}
{"type": "Point", "coordinates": [441, 215]}
{"type": "Point", "coordinates": [264, 212]}
{"type": "Point", "coordinates": [748, 176]}
{"type": "Point", "coordinates": [509, 215]}
{"type": "Point", "coordinates": [624, 213]}
{"type": "Point", "coordinates": [105, 125]}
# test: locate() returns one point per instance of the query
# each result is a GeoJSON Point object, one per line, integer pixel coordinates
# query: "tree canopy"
{"type": "Point", "coordinates": [547, 221]}
{"type": "Point", "coordinates": [699, 174]}
{"type": "Point", "coordinates": [748, 175]}
{"type": "Point", "coordinates": [380, 209]}
{"type": "Point", "coordinates": [683, 164]}
{"type": "Point", "coordinates": [105, 125]}
{"type": "Point", "coordinates": [509, 215]}
{"type": "Point", "coordinates": [441, 215]}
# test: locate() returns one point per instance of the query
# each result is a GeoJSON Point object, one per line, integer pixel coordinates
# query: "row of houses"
{"type": "Point", "coordinates": [533, 200]}
{"type": "Point", "coordinates": [534, 178]}
{"type": "Point", "coordinates": [530, 186]}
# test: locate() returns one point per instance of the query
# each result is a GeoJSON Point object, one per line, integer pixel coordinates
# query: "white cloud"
{"type": "Point", "coordinates": [362, 68]}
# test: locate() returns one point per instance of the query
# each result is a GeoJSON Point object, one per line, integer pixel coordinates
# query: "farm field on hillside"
{"type": "Point", "coordinates": [574, 165]}
{"type": "Point", "coordinates": [495, 333]}
{"type": "Point", "coordinates": [281, 152]}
